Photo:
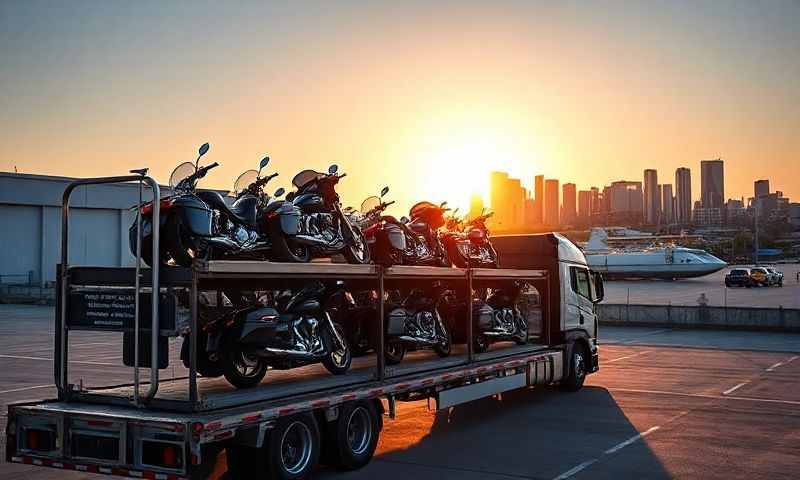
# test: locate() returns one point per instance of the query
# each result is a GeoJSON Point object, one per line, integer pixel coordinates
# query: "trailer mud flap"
{"type": "Point", "coordinates": [475, 391]}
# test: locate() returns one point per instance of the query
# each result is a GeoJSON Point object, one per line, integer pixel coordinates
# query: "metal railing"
{"type": "Point", "coordinates": [61, 371]}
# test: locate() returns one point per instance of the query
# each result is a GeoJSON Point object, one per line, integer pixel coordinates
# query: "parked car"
{"type": "Point", "coordinates": [776, 277]}
{"type": "Point", "coordinates": [760, 277]}
{"type": "Point", "coordinates": [739, 277]}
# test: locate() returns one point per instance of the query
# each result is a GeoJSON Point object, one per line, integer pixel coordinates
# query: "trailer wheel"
{"type": "Point", "coordinates": [351, 440]}
{"type": "Point", "coordinates": [292, 449]}
{"type": "Point", "coordinates": [578, 363]}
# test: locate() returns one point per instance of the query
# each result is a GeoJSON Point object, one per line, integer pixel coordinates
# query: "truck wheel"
{"type": "Point", "coordinates": [292, 448]}
{"type": "Point", "coordinates": [577, 369]}
{"type": "Point", "coordinates": [394, 352]}
{"type": "Point", "coordinates": [350, 441]}
{"type": "Point", "coordinates": [242, 370]}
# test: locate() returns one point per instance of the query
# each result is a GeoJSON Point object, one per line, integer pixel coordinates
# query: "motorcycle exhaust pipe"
{"type": "Point", "coordinates": [290, 354]}
{"type": "Point", "coordinates": [224, 243]}
{"type": "Point", "coordinates": [424, 341]}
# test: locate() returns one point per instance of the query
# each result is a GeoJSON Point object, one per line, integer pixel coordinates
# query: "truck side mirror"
{"type": "Point", "coordinates": [599, 292]}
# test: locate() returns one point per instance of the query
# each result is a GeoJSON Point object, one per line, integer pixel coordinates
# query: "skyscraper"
{"type": "Point", "coordinates": [568, 212]}
{"type": "Point", "coordinates": [712, 183]}
{"type": "Point", "coordinates": [683, 196]}
{"type": "Point", "coordinates": [584, 205]}
{"type": "Point", "coordinates": [538, 199]}
{"type": "Point", "coordinates": [652, 202]}
{"type": "Point", "coordinates": [551, 202]}
{"type": "Point", "coordinates": [761, 188]}
{"type": "Point", "coordinates": [667, 204]}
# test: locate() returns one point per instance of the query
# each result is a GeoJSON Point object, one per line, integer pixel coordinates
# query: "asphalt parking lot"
{"type": "Point", "coordinates": [687, 291]}
{"type": "Point", "coordinates": [666, 404]}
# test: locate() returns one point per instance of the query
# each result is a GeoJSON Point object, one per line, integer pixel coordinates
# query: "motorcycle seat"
{"type": "Point", "coordinates": [244, 210]}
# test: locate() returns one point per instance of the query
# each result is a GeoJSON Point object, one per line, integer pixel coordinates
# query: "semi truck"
{"type": "Point", "coordinates": [176, 427]}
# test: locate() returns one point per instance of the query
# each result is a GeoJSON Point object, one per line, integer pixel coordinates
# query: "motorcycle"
{"type": "Point", "coordinates": [295, 330]}
{"type": "Point", "coordinates": [200, 225]}
{"type": "Point", "coordinates": [416, 323]}
{"type": "Point", "coordinates": [468, 244]}
{"type": "Point", "coordinates": [499, 318]}
{"type": "Point", "coordinates": [388, 238]}
{"type": "Point", "coordinates": [423, 244]}
{"type": "Point", "coordinates": [323, 228]}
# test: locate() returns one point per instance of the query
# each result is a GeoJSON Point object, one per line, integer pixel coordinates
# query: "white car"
{"type": "Point", "coordinates": [774, 277]}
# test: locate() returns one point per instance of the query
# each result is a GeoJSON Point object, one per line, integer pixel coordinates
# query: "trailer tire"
{"type": "Point", "coordinates": [578, 364]}
{"type": "Point", "coordinates": [351, 440]}
{"type": "Point", "coordinates": [292, 448]}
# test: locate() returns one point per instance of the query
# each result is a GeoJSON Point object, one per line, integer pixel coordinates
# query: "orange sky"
{"type": "Point", "coordinates": [426, 99]}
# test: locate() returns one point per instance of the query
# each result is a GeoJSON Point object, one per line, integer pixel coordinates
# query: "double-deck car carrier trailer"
{"type": "Point", "coordinates": [295, 418]}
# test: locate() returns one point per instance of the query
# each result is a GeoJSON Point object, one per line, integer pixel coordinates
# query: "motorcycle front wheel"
{"type": "Point", "coordinates": [338, 360]}
{"type": "Point", "coordinates": [358, 252]}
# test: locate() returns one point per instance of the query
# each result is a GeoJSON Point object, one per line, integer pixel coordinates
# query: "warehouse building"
{"type": "Point", "coordinates": [30, 226]}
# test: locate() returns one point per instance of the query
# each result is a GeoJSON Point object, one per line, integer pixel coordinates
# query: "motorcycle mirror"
{"type": "Point", "coordinates": [333, 169]}
{"type": "Point", "coordinates": [384, 191]}
{"type": "Point", "coordinates": [200, 152]}
{"type": "Point", "coordinates": [264, 162]}
{"type": "Point", "coordinates": [279, 192]}
{"type": "Point", "coordinates": [404, 219]}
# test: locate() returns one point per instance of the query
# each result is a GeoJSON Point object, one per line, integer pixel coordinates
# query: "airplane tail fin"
{"type": "Point", "coordinates": [597, 240]}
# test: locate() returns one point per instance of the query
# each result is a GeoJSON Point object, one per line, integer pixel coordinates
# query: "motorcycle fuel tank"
{"type": "Point", "coordinates": [309, 202]}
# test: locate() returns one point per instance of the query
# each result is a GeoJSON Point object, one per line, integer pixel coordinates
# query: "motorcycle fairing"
{"type": "Point", "coordinates": [309, 202]}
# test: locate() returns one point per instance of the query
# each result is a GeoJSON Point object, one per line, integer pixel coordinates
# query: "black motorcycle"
{"type": "Point", "coordinates": [423, 245]}
{"type": "Point", "coordinates": [200, 225]}
{"type": "Point", "coordinates": [499, 318]}
{"type": "Point", "coordinates": [323, 229]}
{"type": "Point", "coordinates": [415, 323]}
{"type": "Point", "coordinates": [295, 330]}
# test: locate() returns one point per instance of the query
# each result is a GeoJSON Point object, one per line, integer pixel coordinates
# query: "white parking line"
{"type": "Point", "coordinates": [582, 466]}
{"type": "Point", "coordinates": [627, 356]}
{"type": "Point", "coordinates": [25, 388]}
{"type": "Point", "coordinates": [733, 389]}
{"type": "Point", "coordinates": [780, 364]}
{"type": "Point", "coordinates": [21, 357]}
{"type": "Point", "coordinates": [703, 395]}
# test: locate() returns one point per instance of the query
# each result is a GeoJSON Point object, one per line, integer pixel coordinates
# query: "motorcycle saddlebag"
{"type": "Point", "coordinates": [484, 315]}
{"type": "Point", "coordinates": [396, 324]}
{"type": "Point", "coordinates": [265, 326]}
{"type": "Point", "coordinates": [397, 238]}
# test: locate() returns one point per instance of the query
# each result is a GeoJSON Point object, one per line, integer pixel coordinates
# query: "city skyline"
{"type": "Point", "coordinates": [634, 202]}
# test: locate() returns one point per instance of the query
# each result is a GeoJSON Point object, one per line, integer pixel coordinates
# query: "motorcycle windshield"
{"type": "Point", "coordinates": [305, 177]}
{"type": "Point", "coordinates": [181, 172]}
{"type": "Point", "coordinates": [369, 204]}
{"type": "Point", "coordinates": [245, 180]}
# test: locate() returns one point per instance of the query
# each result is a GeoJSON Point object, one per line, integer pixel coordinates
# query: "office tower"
{"type": "Point", "coordinates": [507, 198]}
{"type": "Point", "coordinates": [475, 206]}
{"type": "Point", "coordinates": [624, 202]}
{"type": "Point", "coordinates": [683, 196]}
{"type": "Point", "coordinates": [551, 217]}
{"type": "Point", "coordinates": [569, 210]}
{"type": "Point", "coordinates": [712, 183]}
{"type": "Point", "coordinates": [651, 199]}
{"type": "Point", "coordinates": [538, 199]}
{"type": "Point", "coordinates": [584, 205]}
{"type": "Point", "coordinates": [667, 204]}
{"type": "Point", "coordinates": [761, 188]}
